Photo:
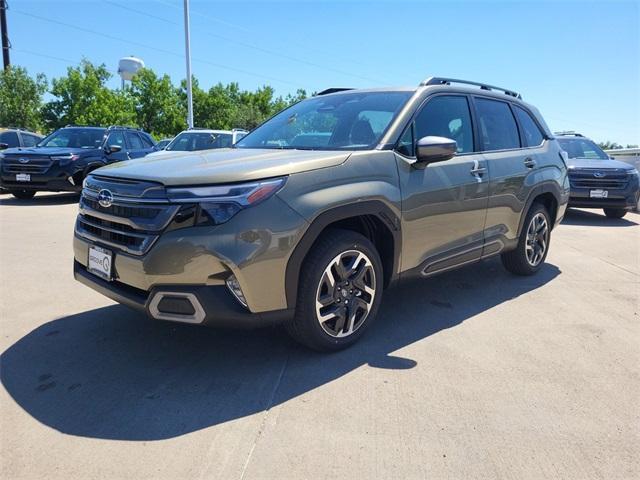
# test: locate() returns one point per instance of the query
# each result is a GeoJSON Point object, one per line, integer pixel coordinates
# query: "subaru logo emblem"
{"type": "Point", "coordinates": [23, 160]}
{"type": "Point", "coordinates": [105, 198]}
{"type": "Point", "coordinates": [599, 174]}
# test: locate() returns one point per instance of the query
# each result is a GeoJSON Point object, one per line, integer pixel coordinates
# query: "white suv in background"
{"type": "Point", "coordinates": [201, 139]}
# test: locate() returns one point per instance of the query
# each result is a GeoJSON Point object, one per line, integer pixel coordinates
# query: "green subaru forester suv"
{"type": "Point", "coordinates": [310, 216]}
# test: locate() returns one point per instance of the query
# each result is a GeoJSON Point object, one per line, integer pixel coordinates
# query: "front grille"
{"type": "Point", "coordinates": [35, 165]}
{"type": "Point", "coordinates": [123, 210]}
{"type": "Point", "coordinates": [611, 179]}
{"type": "Point", "coordinates": [131, 223]}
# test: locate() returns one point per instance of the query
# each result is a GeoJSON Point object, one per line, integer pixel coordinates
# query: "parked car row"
{"type": "Point", "coordinates": [310, 216]}
{"type": "Point", "coordinates": [61, 161]}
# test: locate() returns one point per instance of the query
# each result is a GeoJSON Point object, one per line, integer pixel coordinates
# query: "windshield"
{"type": "Point", "coordinates": [191, 141]}
{"type": "Point", "coordinates": [75, 138]}
{"type": "Point", "coordinates": [582, 148]}
{"type": "Point", "coordinates": [349, 121]}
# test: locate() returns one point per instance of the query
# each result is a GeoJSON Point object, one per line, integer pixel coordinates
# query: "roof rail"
{"type": "Point", "coordinates": [123, 126]}
{"type": "Point", "coordinates": [20, 129]}
{"type": "Point", "coordinates": [332, 90]}
{"type": "Point", "coordinates": [569, 132]}
{"type": "Point", "coordinates": [239, 130]}
{"type": "Point", "coordinates": [483, 86]}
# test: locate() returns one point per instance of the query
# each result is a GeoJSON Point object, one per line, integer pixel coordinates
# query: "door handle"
{"type": "Point", "coordinates": [478, 171]}
{"type": "Point", "coordinates": [529, 162]}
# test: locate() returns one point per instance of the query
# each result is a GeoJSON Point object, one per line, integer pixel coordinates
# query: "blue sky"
{"type": "Point", "coordinates": [578, 62]}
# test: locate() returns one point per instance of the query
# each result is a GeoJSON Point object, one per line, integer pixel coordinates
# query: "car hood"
{"type": "Point", "coordinates": [52, 151]}
{"type": "Point", "coordinates": [591, 163]}
{"type": "Point", "coordinates": [222, 165]}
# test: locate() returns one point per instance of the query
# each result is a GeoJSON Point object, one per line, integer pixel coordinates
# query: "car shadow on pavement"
{"type": "Point", "coordinates": [110, 373]}
{"type": "Point", "coordinates": [40, 199]}
{"type": "Point", "coordinates": [597, 218]}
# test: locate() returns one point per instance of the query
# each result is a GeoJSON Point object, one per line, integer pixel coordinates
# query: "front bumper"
{"type": "Point", "coordinates": [56, 179]}
{"type": "Point", "coordinates": [218, 306]}
{"type": "Point", "coordinates": [625, 196]}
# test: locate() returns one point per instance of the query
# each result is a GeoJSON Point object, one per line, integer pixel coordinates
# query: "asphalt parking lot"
{"type": "Point", "coordinates": [472, 374]}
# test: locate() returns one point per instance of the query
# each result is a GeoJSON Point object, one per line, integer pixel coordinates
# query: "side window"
{"type": "Point", "coordinates": [10, 138]}
{"type": "Point", "coordinates": [146, 140]}
{"type": "Point", "coordinates": [29, 140]}
{"type": "Point", "coordinates": [532, 134]}
{"type": "Point", "coordinates": [406, 144]}
{"type": "Point", "coordinates": [497, 125]}
{"type": "Point", "coordinates": [134, 141]}
{"type": "Point", "coordinates": [116, 138]}
{"type": "Point", "coordinates": [446, 116]}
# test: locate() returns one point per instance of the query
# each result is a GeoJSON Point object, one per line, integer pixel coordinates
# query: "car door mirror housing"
{"type": "Point", "coordinates": [433, 149]}
{"type": "Point", "coordinates": [4, 146]}
{"type": "Point", "coordinates": [113, 148]}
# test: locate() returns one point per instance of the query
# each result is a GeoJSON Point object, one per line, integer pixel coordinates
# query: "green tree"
{"type": "Point", "coordinates": [609, 145]}
{"type": "Point", "coordinates": [158, 106]}
{"type": "Point", "coordinates": [82, 98]}
{"type": "Point", "coordinates": [21, 98]}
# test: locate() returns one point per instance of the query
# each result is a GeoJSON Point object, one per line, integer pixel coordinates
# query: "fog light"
{"type": "Point", "coordinates": [234, 287]}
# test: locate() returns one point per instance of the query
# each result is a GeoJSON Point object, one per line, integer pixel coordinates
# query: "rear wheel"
{"type": "Point", "coordinates": [23, 194]}
{"type": "Point", "coordinates": [615, 212]}
{"type": "Point", "coordinates": [339, 291]}
{"type": "Point", "coordinates": [533, 244]}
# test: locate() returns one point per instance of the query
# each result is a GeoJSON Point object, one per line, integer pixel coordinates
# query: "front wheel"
{"type": "Point", "coordinates": [339, 291]}
{"type": "Point", "coordinates": [615, 212]}
{"type": "Point", "coordinates": [23, 194]}
{"type": "Point", "coordinates": [533, 243]}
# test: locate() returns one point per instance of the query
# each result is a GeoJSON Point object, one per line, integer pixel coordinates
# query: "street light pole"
{"type": "Point", "coordinates": [4, 33]}
{"type": "Point", "coordinates": [187, 48]}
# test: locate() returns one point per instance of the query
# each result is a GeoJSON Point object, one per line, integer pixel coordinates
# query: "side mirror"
{"type": "Point", "coordinates": [113, 149]}
{"type": "Point", "coordinates": [434, 149]}
{"type": "Point", "coordinates": [4, 146]}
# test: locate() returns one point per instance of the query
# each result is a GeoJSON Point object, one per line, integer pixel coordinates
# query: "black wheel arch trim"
{"type": "Point", "coordinates": [546, 187]}
{"type": "Point", "coordinates": [375, 208]}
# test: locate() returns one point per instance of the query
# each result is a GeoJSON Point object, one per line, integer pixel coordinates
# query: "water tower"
{"type": "Point", "coordinates": [128, 67]}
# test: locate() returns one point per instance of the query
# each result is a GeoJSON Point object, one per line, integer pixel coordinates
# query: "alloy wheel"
{"type": "Point", "coordinates": [537, 239]}
{"type": "Point", "coordinates": [345, 293]}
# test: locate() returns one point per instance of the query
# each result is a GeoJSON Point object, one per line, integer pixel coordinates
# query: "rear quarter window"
{"type": "Point", "coordinates": [530, 130]}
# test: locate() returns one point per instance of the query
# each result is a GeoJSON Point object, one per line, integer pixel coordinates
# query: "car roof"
{"type": "Point", "coordinates": [205, 130]}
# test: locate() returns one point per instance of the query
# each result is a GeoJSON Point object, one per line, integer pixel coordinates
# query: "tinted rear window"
{"type": "Point", "coordinates": [497, 125]}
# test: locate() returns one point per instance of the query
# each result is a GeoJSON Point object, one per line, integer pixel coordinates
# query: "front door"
{"type": "Point", "coordinates": [443, 205]}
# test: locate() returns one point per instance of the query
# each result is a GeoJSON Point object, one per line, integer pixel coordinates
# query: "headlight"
{"type": "Point", "coordinates": [219, 203]}
{"type": "Point", "coordinates": [66, 159]}
{"type": "Point", "coordinates": [633, 171]}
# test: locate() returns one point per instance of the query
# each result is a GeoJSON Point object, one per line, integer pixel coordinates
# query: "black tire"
{"type": "Point", "coordinates": [305, 326]}
{"type": "Point", "coordinates": [615, 212]}
{"type": "Point", "coordinates": [516, 261]}
{"type": "Point", "coordinates": [23, 194]}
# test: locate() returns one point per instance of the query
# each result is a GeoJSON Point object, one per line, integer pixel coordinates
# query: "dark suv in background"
{"type": "Point", "coordinates": [62, 160]}
{"type": "Point", "coordinates": [597, 180]}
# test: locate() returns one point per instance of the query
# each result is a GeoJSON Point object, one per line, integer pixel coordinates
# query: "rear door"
{"type": "Point", "coordinates": [510, 163]}
{"type": "Point", "coordinates": [147, 142]}
{"type": "Point", "coordinates": [136, 147]}
{"type": "Point", "coordinates": [443, 205]}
